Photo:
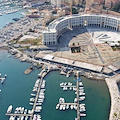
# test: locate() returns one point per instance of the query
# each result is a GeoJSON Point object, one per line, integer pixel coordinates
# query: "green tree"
{"type": "Point", "coordinates": [74, 11]}
{"type": "Point", "coordinates": [73, 44]}
{"type": "Point", "coordinates": [116, 8]}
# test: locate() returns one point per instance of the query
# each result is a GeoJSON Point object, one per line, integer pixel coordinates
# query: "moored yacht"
{"type": "Point", "coordinates": [2, 80]}
{"type": "Point", "coordinates": [12, 118]}
{"type": "Point", "coordinates": [9, 109]}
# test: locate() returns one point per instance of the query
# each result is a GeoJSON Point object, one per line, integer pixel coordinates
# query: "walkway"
{"type": "Point", "coordinates": [115, 97]}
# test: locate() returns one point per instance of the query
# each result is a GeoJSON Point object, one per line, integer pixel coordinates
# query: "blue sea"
{"type": "Point", "coordinates": [7, 18]}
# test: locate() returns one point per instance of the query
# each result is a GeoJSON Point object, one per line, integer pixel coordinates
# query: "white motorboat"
{"type": "Point", "coordinates": [71, 107]}
{"type": "Point", "coordinates": [12, 118]}
{"type": "Point", "coordinates": [57, 106]}
{"type": "Point", "coordinates": [5, 75]}
{"type": "Point", "coordinates": [2, 80]}
{"type": "Point", "coordinates": [81, 114]}
{"type": "Point", "coordinates": [9, 109]}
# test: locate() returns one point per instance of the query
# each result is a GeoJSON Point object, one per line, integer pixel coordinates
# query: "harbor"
{"type": "Point", "coordinates": [39, 88]}
{"type": "Point", "coordinates": [69, 98]}
{"type": "Point", "coordinates": [53, 83]}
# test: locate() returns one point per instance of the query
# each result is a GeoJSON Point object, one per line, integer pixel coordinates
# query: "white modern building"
{"type": "Point", "coordinates": [59, 26]}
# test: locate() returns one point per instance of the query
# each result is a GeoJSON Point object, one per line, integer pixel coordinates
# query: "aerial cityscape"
{"type": "Point", "coordinates": [59, 59]}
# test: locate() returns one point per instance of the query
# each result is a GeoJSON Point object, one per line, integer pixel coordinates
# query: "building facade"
{"type": "Point", "coordinates": [60, 25]}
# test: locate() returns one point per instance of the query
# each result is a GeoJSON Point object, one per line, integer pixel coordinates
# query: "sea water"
{"type": "Point", "coordinates": [7, 18]}
{"type": "Point", "coordinates": [97, 99]}
{"type": "Point", "coordinates": [17, 88]}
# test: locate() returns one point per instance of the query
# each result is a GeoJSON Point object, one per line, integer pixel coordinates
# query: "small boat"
{"type": "Point", "coordinates": [12, 118]}
{"type": "Point", "coordinates": [9, 109]}
{"type": "Point", "coordinates": [61, 107]}
{"type": "Point", "coordinates": [71, 107]}
{"type": "Point", "coordinates": [32, 99]}
{"type": "Point", "coordinates": [2, 80]}
{"type": "Point", "coordinates": [31, 103]}
{"type": "Point", "coordinates": [82, 98]}
{"type": "Point", "coordinates": [61, 100]}
{"type": "Point", "coordinates": [25, 112]}
{"type": "Point", "coordinates": [81, 114]}
{"type": "Point", "coordinates": [26, 118]}
{"type": "Point", "coordinates": [22, 110]}
{"type": "Point", "coordinates": [67, 106]}
{"type": "Point", "coordinates": [22, 118]}
{"type": "Point", "coordinates": [5, 75]}
{"type": "Point", "coordinates": [70, 88]}
{"type": "Point", "coordinates": [33, 94]}
{"type": "Point", "coordinates": [57, 106]}
{"type": "Point", "coordinates": [0, 90]}
{"type": "Point", "coordinates": [75, 107]}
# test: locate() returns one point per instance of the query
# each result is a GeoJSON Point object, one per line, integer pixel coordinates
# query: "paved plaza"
{"type": "Point", "coordinates": [92, 51]}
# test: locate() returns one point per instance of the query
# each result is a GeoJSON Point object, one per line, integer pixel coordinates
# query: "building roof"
{"type": "Point", "coordinates": [48, 57]}
{"type": "Point", "coordinates": [53, 24]}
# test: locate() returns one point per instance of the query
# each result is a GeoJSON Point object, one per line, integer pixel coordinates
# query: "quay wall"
{"type": "Point", "coordinates": [115, 97]}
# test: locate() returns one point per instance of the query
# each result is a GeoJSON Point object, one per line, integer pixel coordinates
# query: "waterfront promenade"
{"type": "Point", "coordinates": [38, 91]}
{"type": "Point", "coordinates": [115, 96]}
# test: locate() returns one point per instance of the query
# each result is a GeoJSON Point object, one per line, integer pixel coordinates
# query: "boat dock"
{"type": "Point", "coordinates": [32, 112]}
{"type": "Point", "coordinates": [37, 100]}
{"type": "Point", "coordinates": [13, 114]}
{"type": "Point", "coordinates": [43, 74]}
{"type": "Point", "coordinates": [68, 103]}
{"type": "Point", "coordinates": [78, 108]}
{"type": "Point", "coordinates": [79, 91]}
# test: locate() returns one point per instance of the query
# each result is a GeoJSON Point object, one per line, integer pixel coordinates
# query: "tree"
{"type": "Point", "coordinates": [73, 44]}
{"type": "Point", "coordinates": [116, 8]}
{"type": "Point", "coordinates": [31, 30]}
{"type": "Point", "coordinates": [74, 11]}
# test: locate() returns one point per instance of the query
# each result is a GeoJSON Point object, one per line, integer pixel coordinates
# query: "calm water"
{"type": "Point", "coordinates": [17, 88]}
{"type": "Point", "coordinates": [7, 18]}
{"type": "Point", "coordinates": [97, 99]}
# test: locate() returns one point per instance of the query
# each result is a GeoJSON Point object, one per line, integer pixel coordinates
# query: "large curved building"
{"type": "Point", "coordinates": [58, 26]}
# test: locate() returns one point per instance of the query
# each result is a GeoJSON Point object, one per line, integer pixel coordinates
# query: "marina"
{"type": "Point", "coordinates": [39, 88]}
{"type": "Point", "coordinates": [46, 92]}
{"type": "Point", "coordinates": [76, 105]}
{"type": "Point", "coordinates": [63, 81]}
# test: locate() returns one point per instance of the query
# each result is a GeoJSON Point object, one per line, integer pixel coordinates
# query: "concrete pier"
{"type": "Point", "coordinates": [78, 108]}
{"type": "Point", "coordinates": [68, 103]}
{"type": "Point", "coordinates": [115, 97]}
{"type": "Point", "coordinates": [12, 114]}
{"type": "Point", "coordinates": [38, 91]}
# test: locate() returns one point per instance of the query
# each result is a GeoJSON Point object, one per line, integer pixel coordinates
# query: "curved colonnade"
{"type": "Point", "coordinates": [60, 25]}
